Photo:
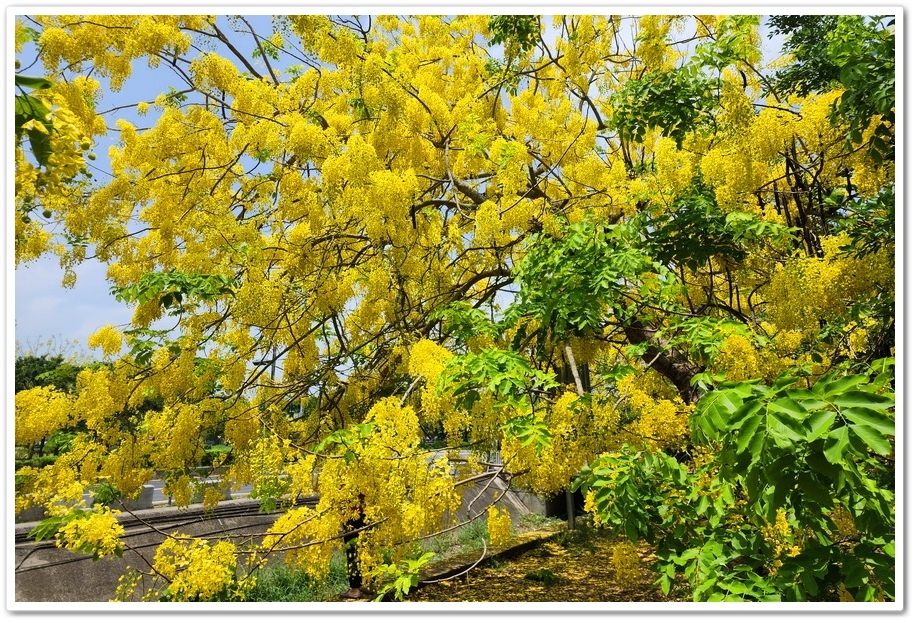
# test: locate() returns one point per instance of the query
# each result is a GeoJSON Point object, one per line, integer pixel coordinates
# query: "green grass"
{"type": "Point", "coordinates": [533, 521]}
{"type": "Point", "coordinates": [280, 583]}
{"type": "Point", "coordinates": [459, 541]}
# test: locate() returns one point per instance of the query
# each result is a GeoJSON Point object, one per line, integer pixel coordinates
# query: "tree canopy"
{"type": "Point", "coordinates": [621, 242]}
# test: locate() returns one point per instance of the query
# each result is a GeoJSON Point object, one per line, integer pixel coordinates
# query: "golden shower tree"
{"type": "Point", "coordinates": [346, 237]}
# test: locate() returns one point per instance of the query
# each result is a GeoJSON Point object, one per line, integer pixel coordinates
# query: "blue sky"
{"type": "Point", "coordinates": [44, 310]}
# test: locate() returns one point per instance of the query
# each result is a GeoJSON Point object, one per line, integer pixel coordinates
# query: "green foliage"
{"type": "Point", "coordinates": [462, 321]}
{"type": "Point", "coordinates": [267, 48]}
{"type": "Point", "coordinates": [571, 284]}
{"type": "Point", "coordinates": [545, 576]}
{"type": "Point", "coordinates": [38, 371]}
{"type": "Point", "coordinates": [48, 529]}
{"type": "Point", "coordinates": [806, 39]}
{"type": "Point", "coordinates": [216, 455]}
{"type": "Point", "coordinates": [467, 538]}
{"type": "Point", "coordinates": [806, 449]}
{"type": "Point", "coordinates": [702, 336]}
{"type": "Point", "coordinates": [864, 52]}
{"type": "Point", "coordinates": [670, 101]}
{"type": "Point", "coordinates": [346, 441]}
{"type": "Point", "coordinates": [143, 342]}
{"type": "Point", "coordinates": [402, 577]}
{"type": "Point", "coordinates": [59, 442]}
{"type": "Point", "coordinates": [173, 287]}
{"type": "Point", "coordinates": [534, 521]}
{"type": "Point", "coordinates": [504, 373]}
{"type": "Point", "coordinates": [26, 34]}
{"type": "Point", "coordinates": [529, 430]}
{"type": "Point", "coordinates": [734, 43]}
{"type": "Point", "coordinates": [175, 98]}
{"type": "Point", "coordinates": [518, 32]}
{"type": "Point", "coordinates": [785, 455]}
{"type": "Point", "coordinates": [281, 583]}
{"type": "Point", "coordinates": [28, 108]}
{"type": "Point", "coordinates": [870, 223]}
{"type": "Point", "coordinates": [695, 229]}
{"type": "Point", "coordinates": [854, 52]}
{"type": "Point", "coordinates": [105, 494]}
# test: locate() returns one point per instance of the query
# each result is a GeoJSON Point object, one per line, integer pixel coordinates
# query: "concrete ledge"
{"type": "Point", "coordinates": [45, 573]}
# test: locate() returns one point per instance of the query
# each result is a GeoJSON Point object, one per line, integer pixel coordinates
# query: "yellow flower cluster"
{"type": "Point", "coordinates": [99, 533]}
{"type": "Point", "coordinates": [858, 337]}
{"type": "Point", "coordinates": [266, 459]}
{"type": "Point", "coordinates": [39, 412]}
{"type": "Point", "coordinates": [844, 521]}
{"type": "Point", "coordinates": [738, 113]}
{"type": "Point", "coordinates": [112, 42]}
{"type": "Point", "coordinates": [735, 174]}
{"type": "Point", "coordinates": [196, 570]}
{"type": "Point", "coordinates": [738, 359]}
{"type": "Point", "coordinates": [214, 71]}
{"type": "Point", "coordinates": [61, 485]}
{"type": "Point", "coordinates": [54, 187]}
{"type": "Point", "coordinates": [384, 205]}
{"type": "Point", "coordinates": [660, 422]}
{"type": "Point", "coordinates": [301, 476]}
{"type": "Point", "coordinates": [653, 47]}
{"type": "Point", "coordinates": [125, 467]}
{"type": "Point", "coordinates": [427, 359]}
{"type": "Point", "coordinates": [805, 290]}
{"type": "Point", "coordinates": [771, 133]}
{"type": "Point", "coordinates": [785, 541]}
{"type": "Point", "coordinates": [306, 140]}
{"type": "Point", "coordinates": [488, 227]}
{"type": "Point", "coordinates": [174, 436]}
{"type": "Point", "coordinates": [180, 490]}
{"type": "Point", "coordinates": [675, 169]}
{"type": "Point", "coordinates": [499, 527]}
{"type": "Point", "coordinates": [405, 489]}
{"type": "Point", "coordinates": [102, 392]}
{"type": "Point", "coordinates": [108, 339]}
{"type": "Point", "coordinates": [294, 527]}
{"type": "Point", "coordinates": [577, 438]}
{"type": "Point", "coordinates": [310, 191]}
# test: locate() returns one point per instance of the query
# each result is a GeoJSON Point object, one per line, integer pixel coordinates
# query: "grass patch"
{"type": "Point", "coordinates": [462, 540]}
{"type": "Point", "coordinates": [281, 583]}
{"type": "Point", "coordinates": [533, 521]}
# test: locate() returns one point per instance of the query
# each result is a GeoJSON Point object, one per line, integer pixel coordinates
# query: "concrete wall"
{"type": "Point", "coordinates": [46, 573]}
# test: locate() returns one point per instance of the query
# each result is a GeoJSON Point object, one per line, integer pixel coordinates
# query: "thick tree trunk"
{"type": "Point", "coordinates": [667, 362]}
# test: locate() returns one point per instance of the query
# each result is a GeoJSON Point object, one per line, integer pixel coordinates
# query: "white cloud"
{"type": "Point", "coordinates": [45, 310]}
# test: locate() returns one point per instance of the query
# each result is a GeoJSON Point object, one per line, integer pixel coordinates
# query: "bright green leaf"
{"type": "Point", "coordinates": [875, 440]}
